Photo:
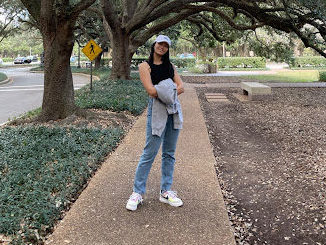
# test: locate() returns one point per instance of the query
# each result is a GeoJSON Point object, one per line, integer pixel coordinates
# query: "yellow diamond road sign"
{"type": "Point", "coordinates": [92, 50]}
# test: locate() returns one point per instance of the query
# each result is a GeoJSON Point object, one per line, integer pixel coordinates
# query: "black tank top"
{"type": "Point", "coordinates": [161, 72]}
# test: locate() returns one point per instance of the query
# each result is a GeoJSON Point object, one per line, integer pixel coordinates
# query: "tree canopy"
{"type": "Point", "coordinates": [129, 24]}
{"type": "Point", "coordinates": [11, 11]}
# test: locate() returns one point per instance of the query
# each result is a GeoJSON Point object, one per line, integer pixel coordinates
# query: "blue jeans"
{"type": "Point", "coordinates": [168, 140]}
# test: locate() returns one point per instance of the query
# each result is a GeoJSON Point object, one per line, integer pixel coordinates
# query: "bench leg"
{"type": "Point", "coordinates": [259, 97]}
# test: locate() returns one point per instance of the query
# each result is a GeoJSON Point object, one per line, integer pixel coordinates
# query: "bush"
{"type": "Point", "coordinates": [41, 171]}
{"type": "Point", "coordinates": [6, 59]}
{"type": "Point", "coordinates": [134, 62]}
{"type": "Point", "coordinates": [322, 76]}
{"type": "Point", "coordinates": [2, 77]}
{"type": "Point", "coordinates": [115, 95]}
{"type": "Point", "coordinates": [196, 69]}
{"type": "Point", "coordinates": [183, 63]}
{"type": "Point", "coordinates": [180, 63]}
{"type": "Point", "coordinates": [309, 61]}
{"type": "Point", "coordinates": [243, 62]}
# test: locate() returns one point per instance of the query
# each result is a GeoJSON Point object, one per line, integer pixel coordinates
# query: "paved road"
{"type": "Point", "coordinates": [25, 91]}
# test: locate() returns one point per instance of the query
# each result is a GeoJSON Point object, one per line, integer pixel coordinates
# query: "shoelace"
{"type": "Point", "coordinates": [135, 197]}
{"type": "Point", "coordinates": [172, 194]}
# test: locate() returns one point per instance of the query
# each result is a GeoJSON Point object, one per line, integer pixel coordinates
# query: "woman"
{"type": "Point", "coordinates": [156, 69]}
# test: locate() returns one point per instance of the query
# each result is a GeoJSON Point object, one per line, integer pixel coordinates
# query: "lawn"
{"type": "Point", "coordinates": [288, 76]}
{"type": "Point", "coordinates": [2, 77]}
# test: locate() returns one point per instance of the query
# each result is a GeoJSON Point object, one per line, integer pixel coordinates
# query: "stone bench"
{"type": "Point", "coordinates": [256, 91]}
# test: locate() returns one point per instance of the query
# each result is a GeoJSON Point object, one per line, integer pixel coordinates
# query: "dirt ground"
{"type": "Point", "coordinates": [90, 118]}
{"type": "Point", "coordinates": [271, 164]}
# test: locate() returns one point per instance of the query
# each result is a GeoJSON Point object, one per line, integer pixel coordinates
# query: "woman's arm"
{"type": "Point", "coordinates": [145, 77]}
{"type": "Point", "coordinates": [178, 81]}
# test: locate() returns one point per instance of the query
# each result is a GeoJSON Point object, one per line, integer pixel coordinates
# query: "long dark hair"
{"type": "Point", "coordinates": [165, 60]}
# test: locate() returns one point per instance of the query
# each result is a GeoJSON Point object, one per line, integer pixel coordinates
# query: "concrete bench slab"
{"type": "Point", "coordinates": [256, 91]}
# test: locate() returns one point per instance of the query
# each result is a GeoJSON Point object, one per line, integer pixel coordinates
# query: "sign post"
{"type": "Point", "coordinates": [92, 50]}
{"type": "Point", "coordinates": [91, 76]}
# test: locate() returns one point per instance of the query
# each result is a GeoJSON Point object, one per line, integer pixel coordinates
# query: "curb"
{"type": "Point", "coordinates": [74, 73]}
{"type": "Point", "coordinates": [87, 75]}
{"type": "Point", "coordinates": [8, 80]}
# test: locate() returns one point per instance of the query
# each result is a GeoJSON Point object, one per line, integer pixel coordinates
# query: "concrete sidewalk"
{"type": "Point", "coordinates": [99, 215]}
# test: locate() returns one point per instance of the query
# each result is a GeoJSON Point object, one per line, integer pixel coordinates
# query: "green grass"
{"type": "Point", "coordinates": [288, 76]}
{"type": "Point", "coordinates": [3, 77]}
{"type": "Point", "coordinates": [309, 68]}
{"type": "Point", "coordinates": [242, 69]}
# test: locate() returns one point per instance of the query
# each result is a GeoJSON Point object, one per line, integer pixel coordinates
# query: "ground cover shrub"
{"type": "Point", "coordinates": [196, 69]}
{"type": "Point", "coordinates": [309, 61]}
{"type": "Point", "coordinates": [2, 77]}
{"type": "Point", "coordinates": [115, 95]}
{"type": "Point", "coordinates": [6, 59]}
{"type": "Point", "coordinates": [203, 67]}
{"type": "Point", "coordinates": [322, 76]}
{"type": "Point", "coordinates": [183, 63]}
{"type": "Point", "coordinates": [210, 67]}
{"type": "Point", "coordinates": [243, 62]}
{"type": "Point", "coordinates": [41, 170]}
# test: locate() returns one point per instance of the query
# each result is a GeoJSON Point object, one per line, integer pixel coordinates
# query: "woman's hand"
{"type": "Point", "coordinates": [180, 89]}
{"type": "Point", "coordinates": [178, 81]}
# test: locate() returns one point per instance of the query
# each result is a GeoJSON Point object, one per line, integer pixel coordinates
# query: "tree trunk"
{"type": "Point", "coordinates": [121, 56]}
{"type": "Point", "coordinates": [58, 97]}
{"type": "Point", "coordinates": [98, 61]}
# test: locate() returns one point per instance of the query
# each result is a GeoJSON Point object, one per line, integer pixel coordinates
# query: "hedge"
{"type": "Point", "coordinates": [322, 76]}
{"type": "Point", "coordinates": [2, 77]}
{"type": "Point", "coordinates": [309, 61]}
{"type": "Point", "coordinates": [245, 62]}
{"type": "Point", "coordinates": [8, 59]}
{"type": "Point", "coordinates": [180, 63]}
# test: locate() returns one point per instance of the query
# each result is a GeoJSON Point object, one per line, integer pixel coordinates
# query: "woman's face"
{"type": "Point", "coordinates": [161, 48]}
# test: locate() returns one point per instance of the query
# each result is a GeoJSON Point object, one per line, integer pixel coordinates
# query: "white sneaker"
{"type": "Point", "coordinates": [134, 200]}
{"type": "Point", "coordinates": [171, 198]}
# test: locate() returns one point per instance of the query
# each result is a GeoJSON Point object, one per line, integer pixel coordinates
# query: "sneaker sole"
{"type": "Point", "coordinates": [133, 208]}
{"type": "Point", "coordinates": [162, 199]}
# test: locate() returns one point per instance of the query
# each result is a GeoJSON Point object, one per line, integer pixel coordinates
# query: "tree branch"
{"type": "Point", "coordinates": [158, 9]}
{"type": "Point", "coordinates": [109, 13]}
{"type": "Point", "coordinates": [211, 30]}
{"type": "Point", "coordinates": [144, 35]}
{"type": "Point", "coordinates": [33, 7]}
{"type": "Point", "coordinates": [80, 6]}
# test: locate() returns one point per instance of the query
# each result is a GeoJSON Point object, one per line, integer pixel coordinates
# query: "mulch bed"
{"type": "Point", "coordinates": [89, 118]}
{"type": "Point", "coordinates": [271, 164]}
{"type": "Point", "coordinates": [208, 79]}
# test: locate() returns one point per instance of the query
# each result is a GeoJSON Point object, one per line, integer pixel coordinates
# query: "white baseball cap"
{"type": "Point", "coordinates": [163, 38]}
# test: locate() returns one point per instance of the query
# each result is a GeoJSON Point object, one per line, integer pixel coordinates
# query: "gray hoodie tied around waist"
{"type": "Point", "coordinates": [166, 104]}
